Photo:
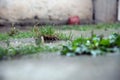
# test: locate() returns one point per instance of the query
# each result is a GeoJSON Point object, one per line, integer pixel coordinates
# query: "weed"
{"type": "Point", "coordinates": [11, 52]}
{"type": "Point", "coordinates": [95, 45]}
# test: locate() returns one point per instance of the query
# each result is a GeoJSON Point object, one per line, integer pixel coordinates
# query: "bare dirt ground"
{"type": "Point", "coordinates": [51, 66]}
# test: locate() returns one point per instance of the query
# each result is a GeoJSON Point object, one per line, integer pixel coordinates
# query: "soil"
{"type": "Point", "coordinates": [48, 39]}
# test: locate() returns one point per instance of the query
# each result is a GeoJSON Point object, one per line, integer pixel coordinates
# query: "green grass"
{"type": "Point", "coordinates": [11, 52]}
{"type": "Point", "coordinates": [47, 30]}
{"type": "Point", "coordinates": [65, 36]}
{"type": "Point", "coordinates": [3, 36]}
{"type": "Point", "coordinates": [28, 34]}
{"type": "Point", "coordinates": [88, 27]}
{"type": "Point", "coordinates": [50, 30]}
{"type": "Point", "coordinates": [23, 35]}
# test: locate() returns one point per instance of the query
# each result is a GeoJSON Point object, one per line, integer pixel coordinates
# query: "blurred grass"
{"type": "Point", "coordinates": [30, 33]}
{"type": "Point", "coordinates": [88, 27]}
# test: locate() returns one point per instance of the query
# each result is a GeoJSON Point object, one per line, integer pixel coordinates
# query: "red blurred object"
{"type": "Point", "coordinates": [74, 20]}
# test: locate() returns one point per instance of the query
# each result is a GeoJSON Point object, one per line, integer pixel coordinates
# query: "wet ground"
{"type": "Point", "coordinates": [51, 66]}
{"type": "Point", "coordinates": [55, 67]}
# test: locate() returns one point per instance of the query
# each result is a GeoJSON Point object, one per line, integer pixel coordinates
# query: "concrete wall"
{"type": "Point", "coordinates": [44, 10]}
{"type": "Point", "coordinates": [105, 11]}
{"type": "Point", "coordinates": [119, 10]}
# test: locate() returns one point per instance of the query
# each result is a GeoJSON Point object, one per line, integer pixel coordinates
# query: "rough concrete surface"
{"type": "Point", "coordinates": [54, 67]}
